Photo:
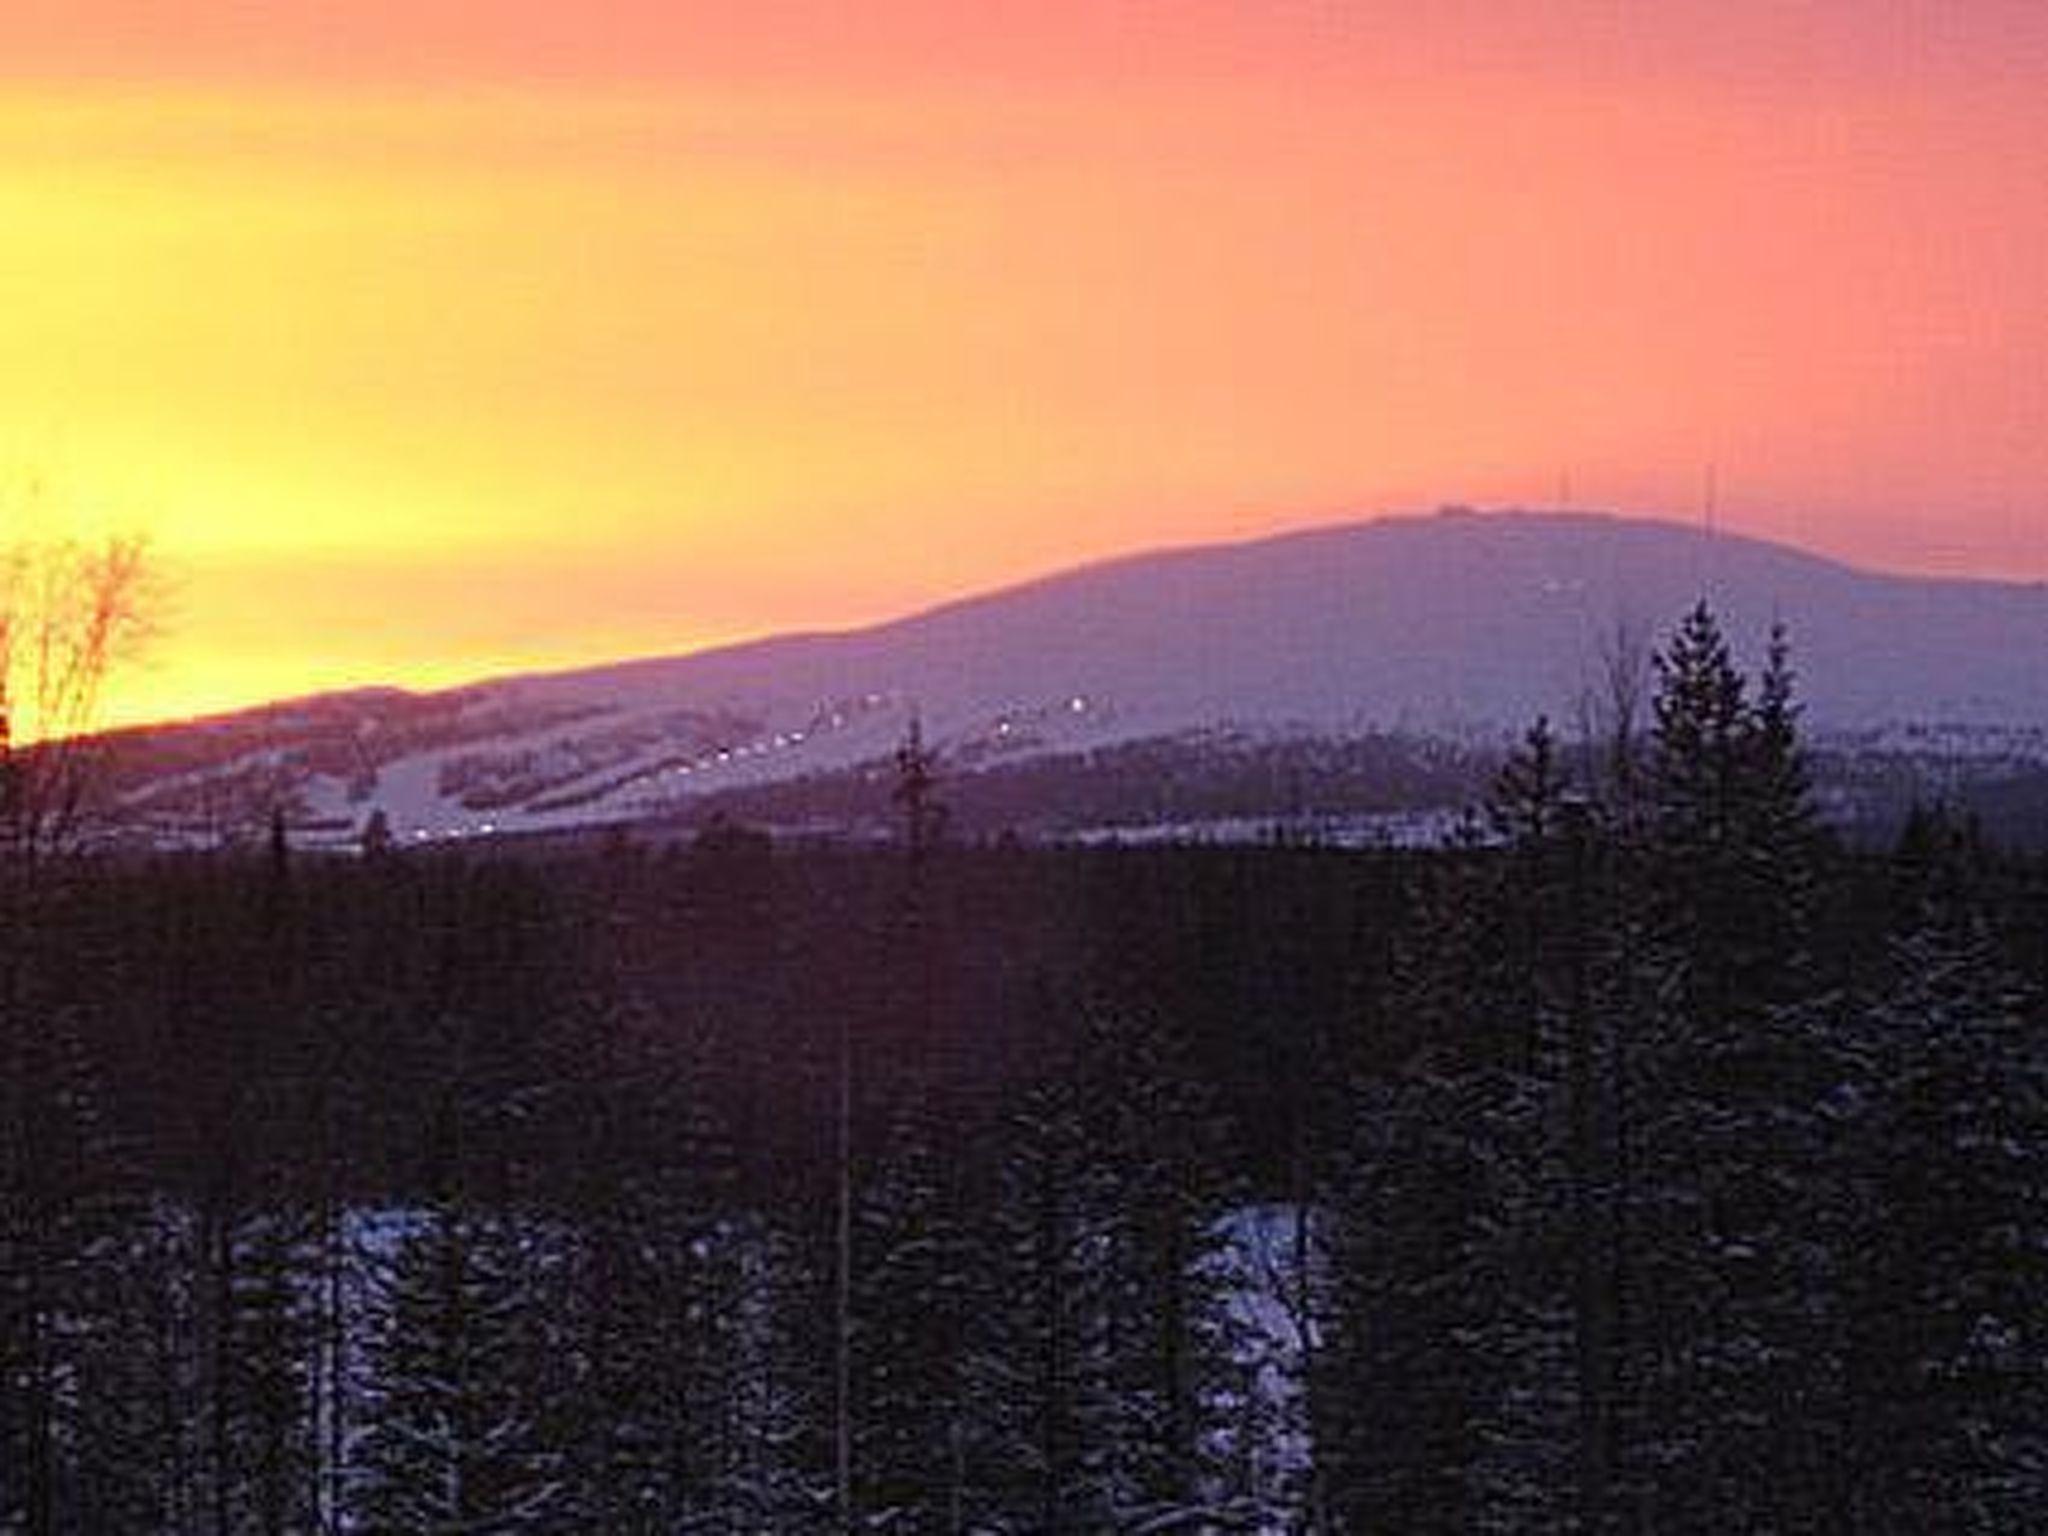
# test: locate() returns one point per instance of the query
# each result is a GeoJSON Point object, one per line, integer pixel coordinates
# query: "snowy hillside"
{"type": "Point", "coordinates": [1456, 625]}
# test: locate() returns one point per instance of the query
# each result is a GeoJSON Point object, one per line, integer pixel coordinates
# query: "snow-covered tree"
{"type": "Point", "coordinates": [1947, 1326]}
{"type": "Point", "coordinates": [1727, 1067]}
{"type": "Point", "coordinates": [467, 1374]}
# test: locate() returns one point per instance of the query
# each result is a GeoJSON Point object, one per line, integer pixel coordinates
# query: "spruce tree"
{"type": "Point", "coordinates": [1946, 1330]}
{"type": "Point", "coordinates": [917, 1263]}
{"type": "Point", "coordinates": [1031, 1358]}
{"type": "Point", "coordinates": [1446, 1397]}
{"type": "Point", "coordinates": [465, 1382]}
{"type": "Point", "coordinates": [1723, 1132]}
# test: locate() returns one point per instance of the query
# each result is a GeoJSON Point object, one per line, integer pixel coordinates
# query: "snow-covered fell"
{"type": "Point", "coordinates": [1459, 624]}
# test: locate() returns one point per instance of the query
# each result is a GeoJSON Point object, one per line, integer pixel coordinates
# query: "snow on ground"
{"type": "Point", "coordinates": [1269, 1266]}
{"type": "Point", "coordinates": [1380, 829]}
{"type": "Point", "coordinates": [1259, 1262]}
{"type": "Point", "coordinates": [1460, 628]}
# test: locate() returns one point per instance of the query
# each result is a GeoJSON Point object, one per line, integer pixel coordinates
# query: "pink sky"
{"type": "Point", "coordinates": [430, 339]}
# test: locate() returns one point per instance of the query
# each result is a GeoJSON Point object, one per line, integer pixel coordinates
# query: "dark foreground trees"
{"type": "Point", "coordinates": [1645, 1164]}
{"type": "Point", "coordinates": [1684, 1216]}
{"type": "Point", "coordinates": [67, 1187]}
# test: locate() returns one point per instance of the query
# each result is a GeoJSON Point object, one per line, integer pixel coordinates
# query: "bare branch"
{"type": "Point", "coordinates": [69, 613]}
{"type": "Point", "coordinates": [1610, 711]}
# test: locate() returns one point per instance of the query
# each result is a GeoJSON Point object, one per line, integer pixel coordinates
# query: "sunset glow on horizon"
{"type": "Point", "coordinates": [425, 349]}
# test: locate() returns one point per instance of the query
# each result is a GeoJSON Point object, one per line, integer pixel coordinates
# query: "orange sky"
{"type": "Point", "coordinates": [428, 345]}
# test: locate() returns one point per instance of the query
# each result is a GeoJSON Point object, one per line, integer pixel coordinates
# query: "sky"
{"type": "Point", "coordinates": [427, 340]}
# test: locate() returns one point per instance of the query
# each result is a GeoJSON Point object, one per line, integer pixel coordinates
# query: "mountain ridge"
{"type": "Point", "coordinates": [1458, 624]}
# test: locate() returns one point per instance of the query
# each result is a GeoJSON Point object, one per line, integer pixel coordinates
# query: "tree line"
{"type": "Point", "coordinates": [1643, 1162]}
{"type": "Point", "coordinates": [1691, 1210]}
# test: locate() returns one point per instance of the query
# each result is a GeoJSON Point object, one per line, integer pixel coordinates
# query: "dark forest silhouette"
{"type": "Point", "coordinates": [1645, 1161]}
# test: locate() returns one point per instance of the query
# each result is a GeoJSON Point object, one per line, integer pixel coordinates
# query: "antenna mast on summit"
{"type": "Point", "coordinates": [1710, 513]}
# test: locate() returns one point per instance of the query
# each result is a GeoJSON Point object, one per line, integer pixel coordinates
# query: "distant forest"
{"type": "Point", "coordinates": [1647, 1161]}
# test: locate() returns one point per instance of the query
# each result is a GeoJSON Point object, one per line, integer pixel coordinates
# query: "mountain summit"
{"type": "Point", "coordinates": [1457, 624]}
